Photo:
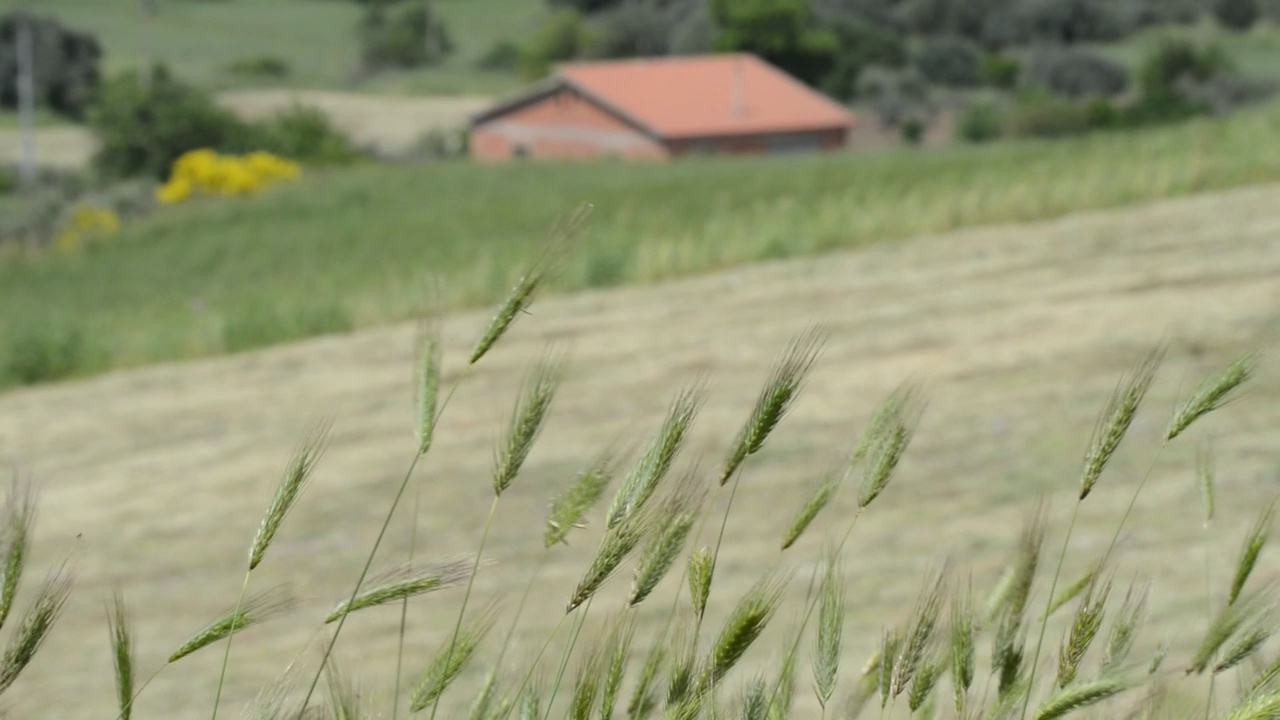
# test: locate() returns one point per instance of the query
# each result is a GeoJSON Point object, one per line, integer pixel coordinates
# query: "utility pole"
{"type": "Point", "coordinates": [26, 101]}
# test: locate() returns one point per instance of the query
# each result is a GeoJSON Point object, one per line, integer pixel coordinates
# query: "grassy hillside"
{"type": "Point", "coordinates": [1018, 334]}
{"type": "Point", "coordinates": [355, 248]}
{"type": "Point", "coordinates": [315, 37]}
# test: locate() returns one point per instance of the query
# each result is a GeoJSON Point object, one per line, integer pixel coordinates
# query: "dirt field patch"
{"type": "Point", "coordinates": [1019, 334]}
{"type": "Point", "coordinates": [391, 125]}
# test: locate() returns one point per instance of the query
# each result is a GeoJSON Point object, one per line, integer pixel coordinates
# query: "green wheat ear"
{"type": "Point", "coordinates": [569, 508]}
{"type": "Point", "coordinates": [1114, 423]}
{"type": "Point", "coordinates": [527, 420]}
{"type": "Point", "coordinates": [19, 522]}
{"type": "Point", "coordinates": [255, 610]}
{"type": "Point", "coordinates": [34, 628]}
{"type": "Point", "coordinates": [121, 634]}
{"type": "Point", "coordinates": [449, 661]}
{"type": "Point", "coordinates": [665, 544]}
{"type": "Point", "coordinates": [562, 234]}
{"type": "Point", "coordinates": [405, 582]}
{"type": "Point", "coordinates": [428, 387]}
{"type": "Point", "coordinates": [776, 398]}
{"type": "Point", "coordinates": [295, 479]}
{"type": "Point", "coordinates": [743, 626]}
{"type": "Point", "coordinates": [1212, 394]}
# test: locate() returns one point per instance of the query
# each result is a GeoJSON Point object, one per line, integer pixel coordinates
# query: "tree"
{"type": "Point", "coordinates": [860, 45]}
{"type": "Point", "coordinates": [950, 61]}
{"type": "Point", "coordinates": [1238, 15]}
{"type": "Point", "coordinates": [782, 32]}
{"type": "Point", "coordinates": [412, 37]}
{"type": "Point", "coordinates": [563, 35]}
{"type": "Point", "coordinates": [1077, 73]}
{"type": "Point", "coordinates": [636, 28]}
{"type": "Point", "coordinates": [67, 69]}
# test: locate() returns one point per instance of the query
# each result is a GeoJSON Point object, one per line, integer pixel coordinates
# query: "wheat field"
{"type": "Point", "coordinates": [154, 480]}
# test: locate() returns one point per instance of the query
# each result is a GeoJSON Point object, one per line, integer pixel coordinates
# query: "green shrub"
{"type": "Point", "coordinates": [143, 127]}
{"type": "Point", "coordinates": [1067, 21]}
{"type": "Point", "coordinates": [1001, 71]}
{"type": "Point", "coordinates": [401, 38]}
{"type": "Point", "coordinates": [265, 66]}
{"type": "Point", "coordinates": [642, 28]}
{"type": "Point", "coordinates": [896, 95]}
{"type": "Point", "coordinates": [42, 350]}
{"type": "Point", "coordinates": [1077, 73]}
{"type": "Point", "coordinates": [1142, 14]}
{"type": "Point", "coordinates": [1237, 15]}
{"type": "Point", "coordinates": [959, 18]}
{"type": "Point", "coordinates": [563, 35]}
{"type": "Point", "coordinates": [67, 62]}
{"type": "Point", "coordinates": [1101, 114]}
{"type": "Point", "coordinates": [8, 180]}
{"type": "Point", "coordinates": [503, 56]}
{"type": "Point", "coordinates": [861, 45]}
{"type": "Point", "coordinates": [949, 61]}
{"type": "Point", "coordinates": [912, 130]}
{"type": "Point", "coordinates": [980, 122]}
{"type": "Point", "coordinates": [782, 32]}
{"type": "Point", "coordinates": [1048, 117]}
{"type": "Point", "coordinates": [304, 134]}
{"type": "Point", "coordinates": [1174, 60]}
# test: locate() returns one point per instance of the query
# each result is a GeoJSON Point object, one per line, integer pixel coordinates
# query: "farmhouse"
{"type": "Point", "coordinates": [660, 108]}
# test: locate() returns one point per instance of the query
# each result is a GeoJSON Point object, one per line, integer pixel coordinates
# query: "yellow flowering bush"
{"type": "Point", "coordinates": [87, 223]}
{"type": "Point", "coordinates": [205, 172]}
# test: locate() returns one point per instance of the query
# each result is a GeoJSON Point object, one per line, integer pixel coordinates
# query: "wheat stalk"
{"type": "Point", "coordinates": [775, 399]}
{"type": "Point", "coordinates": [569, 508]}
{"type": "Point", "coordinates": [527, 420]}
{"type": "Point", "coordinates": [962, 646]}
{"type": "Point", "coordinates": [821, 497]}
{"type": "Point", "coordinates": [648, 473]}
{"type": "Point", "coordinates": [120, 632]}
{"type": "Point", "coordinates": [1124, 629]}
{"type": "Point", "coordinates": [403, 583]}
{"type": "Point", "coordinates": [295, 479]}
{"type": "Point", "coordinates": [619, 651]}
{"type": "Point", "coordinates": [831, 614]}
{"type": "Point", "coordinates": [20, 516]}
{"type": "Point", "coordinates": [699, 575]}
{"type": "Point", "coordinates": [34, 628]}
{"type": "Point", "coordinates": [1212, 394]}
{"type": "Point", "coordinates": [1253, 544]}
{"type": "Point", "coordinates": [1075, 697]}
{"type": "Point", "coordinates": [642, 700]}
{"type": "Point", "coordinates": [616, 545]}
{"type": "Point", "coordinates": [919, 636]}
{"type": "Point", "coordinates": [255, 610]}
{"type": "Point", "coordinates": [521, 296]}
{"type": "Point", "coordinates": [679, 514]}
{"type": "Point", "coordinates": [1085, 625]}
{"type": "Point", "coordinates": [450, 660]}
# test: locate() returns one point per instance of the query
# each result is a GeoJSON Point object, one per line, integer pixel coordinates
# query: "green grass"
{"type": "Point", "coordinates": [200, 40]}
{"type": "Point", "coordinates": [935, 650]}
{"type": "Point", "coordinates": [359, 245]}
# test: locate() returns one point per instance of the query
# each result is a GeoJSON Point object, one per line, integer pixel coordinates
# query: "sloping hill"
{"type": "Point", "coordinates": [1019, 333]}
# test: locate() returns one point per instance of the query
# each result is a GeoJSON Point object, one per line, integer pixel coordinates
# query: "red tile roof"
{"type": "Point", "coordinates": [700, 96]}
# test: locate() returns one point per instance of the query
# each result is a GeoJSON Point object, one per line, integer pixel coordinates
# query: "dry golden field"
{"type": "Point", "coordinates": [155, 480]}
